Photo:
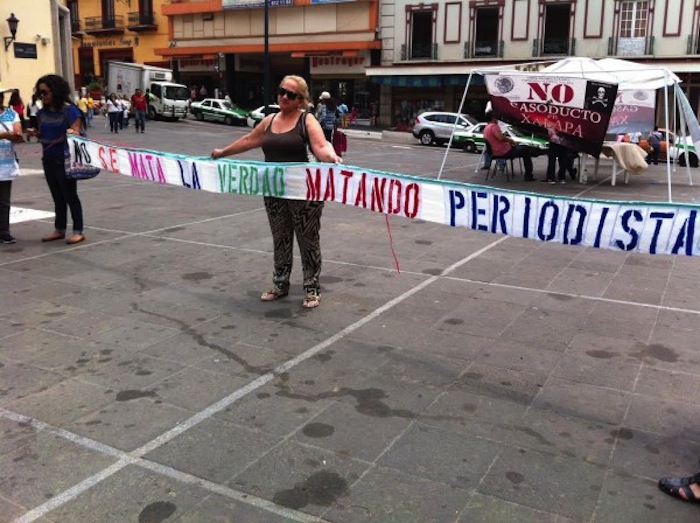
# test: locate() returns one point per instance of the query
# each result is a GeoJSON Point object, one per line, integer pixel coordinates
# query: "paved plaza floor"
{"type": "Point", "coordinates": [491, 379]}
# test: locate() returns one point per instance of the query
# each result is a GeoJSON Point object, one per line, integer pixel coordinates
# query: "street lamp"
{"type": "Point", "coordinates": [12, 22]}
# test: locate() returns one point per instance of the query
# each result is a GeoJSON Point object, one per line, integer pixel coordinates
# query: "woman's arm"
{"type": "Point", "coordinates": [318, 143]}
{"type": "Point", "coordinates": [245, 143]}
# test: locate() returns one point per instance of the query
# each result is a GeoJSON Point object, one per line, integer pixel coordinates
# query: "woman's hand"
{"type": "Point", "coordinates": [217, 153]}
{"type": "Point", "coordinates": [71, 131]}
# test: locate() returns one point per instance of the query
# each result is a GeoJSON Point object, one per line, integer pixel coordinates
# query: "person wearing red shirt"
{"type": "Point", "coordinates": [504, 147]}
{"type": "Point", "coordinates": [139, 105]}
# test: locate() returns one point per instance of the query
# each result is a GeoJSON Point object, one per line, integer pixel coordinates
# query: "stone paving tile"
{"type": "Point", "coordinates": [581, 281]}
{"type": "Point", "coordinates": [129, 422]}
{"type": "Point", "coordinates": [545, 482]}
{"type": "Point", "coordinates": [568, 437]}
{"type": "Point", "coordinates": [668, 384]}
{"type": "Point", "coordinates": [349, 433]}
{"type": "Point", "coordinates": [132, 371]}
{"type": "Point", "coordinates": [630, 322]}
{"type": "Point", "coordinates": [391, 496]}
{"type": "Point", "coordinates": [272, 413]}
{"type": "Point", "coordinates": [301, 477]}
{"type": "Point", "coordinates": [490, 509]}
{"type": "Point", "coordinates": [548, 329]}
{"type": "Point", "coordinates": [588, 402]}
{"type": "Point", "coordinates": [494, 382]}
{"type": "Point", "coordinates": [132, 494]}
{"type": "Point", "coordinates": [219, 509]}
{"type": "Point", "coordinates": [45, 467]}
{"type": "Point", "coordinates": [14, 435]}
{"type": "Point", "coordinates": [77, 357]}
{"type": "Point", "coordinates": [214, 450]}
{"type": "Point", "coordinates": [552, 301]}
{"type": "Point", "coordinates": [27, 342]}
{"type": "Point", "coordinates": [134, 335]}
{"type": "Point", "coordinates": [682, 291]}
{"type": "Point", "coordinates": [9, 511]}
{"type": "Point", "coordinates": [18, 380]}
{"type": "Point", "coordinates": [186, 389]}
{"type": "Point", "coordinates": [468, 413]}
{"type": "Point", "coordinates": [600, 368]}
{"type": "Point", "coordinates": [628, 291]}
{"type": "Point", "coordinates": [655, 455]}
{"type": "Point", "coordinates": [39, 313]}
{"type": "Point", "coordinates": [62, 403]}
{"type": "Point", "coordinates": [457, 460]}
{"type": "Point", "coordinates": [629, 499]}
{"type": "Point", "coordinates": [512, 355]}
{"type": "Point", "coordinates": [481, 317]}
{"type": "Point", "coordinates": [664, 416]}
{"type": "Point", "coordinates": [675, 330]}
{"type": "Point", "coordinates": [84, 324]}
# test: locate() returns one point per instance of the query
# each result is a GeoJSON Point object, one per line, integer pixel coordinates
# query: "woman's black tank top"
{"type": "Point", "coordinates": [285, 147]}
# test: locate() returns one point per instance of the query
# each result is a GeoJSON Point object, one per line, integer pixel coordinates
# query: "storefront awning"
{"type": "Point", "coordinates": [426, 80]}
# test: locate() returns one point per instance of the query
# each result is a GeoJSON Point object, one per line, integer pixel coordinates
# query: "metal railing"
{"type": "Point", "coordinates": [483, 49]}
{"type": "Point", "coordinates": [97, 23]}
{"type": "Point", "coordinates": [693, 44]}
{"type": "Point", "coordinates": [554, 46]}
{"type": "Point", "coordinates": [419, 52]}
{"type": "Point", "coordinates": [75, 26]}
{"type": "Point", "coordinates": [614, 47]}
{"type": "Point", "coordinates": [137, 18]}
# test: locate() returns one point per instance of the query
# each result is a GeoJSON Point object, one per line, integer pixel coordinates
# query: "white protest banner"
{"type": "Point", "coordinates": [648, 227]}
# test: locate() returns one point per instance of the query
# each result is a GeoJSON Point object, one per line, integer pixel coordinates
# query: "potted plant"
{"type": "Point", "coordinates": [96, 90]}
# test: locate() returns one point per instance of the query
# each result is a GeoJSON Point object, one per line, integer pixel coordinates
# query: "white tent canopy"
{"type": "Point", "coordinates": [628, 76]}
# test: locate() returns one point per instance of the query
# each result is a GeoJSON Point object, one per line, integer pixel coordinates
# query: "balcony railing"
{"type": "Point", "coordinates": [139, 21]}
{"type": "Point", "coordinates": [693, 44]}
{"type": "Point", "coordinates": [75, 26]}
{"type": "Point", "coordinates": [639, 46]}
{"type": "Point", "coordinates": [419, 52]}
{"type": "Point", "coordinates": [104, 24]}
{"type": "Point", "coordinates": [483, 49]}
{"type": "Point", "coordinates": [554, 47]}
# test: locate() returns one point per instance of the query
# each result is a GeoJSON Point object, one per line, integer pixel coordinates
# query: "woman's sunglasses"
{"type": "Point", "coordinates": [291, 95]}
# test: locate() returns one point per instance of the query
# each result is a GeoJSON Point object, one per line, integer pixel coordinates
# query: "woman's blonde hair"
{"type": "Point", "coordinates": [302, 87]}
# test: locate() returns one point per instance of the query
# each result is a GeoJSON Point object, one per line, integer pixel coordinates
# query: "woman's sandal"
{"type": "Point", "coordinates": [274, 294]}
{"type": "Point", "coordinates": [680, 487]}
{"type": "Point", "coordinates": [311, 300]}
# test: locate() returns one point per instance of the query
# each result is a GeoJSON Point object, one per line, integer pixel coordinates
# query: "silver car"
{"type": "Point", "coordinates": [436, 127]}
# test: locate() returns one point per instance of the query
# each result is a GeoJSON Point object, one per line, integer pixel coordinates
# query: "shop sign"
{"type": "Point", "coordinates": [340, 64]}
{"type": "Point", "coordinates": [247, 4]}
{"type": "Point", "coordinates": [25, 50]}
{"type": "Point", "coordinates": [111, 42]}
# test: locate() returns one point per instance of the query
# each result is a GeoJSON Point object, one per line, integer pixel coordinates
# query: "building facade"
{"type": "Point", "coordinates": [119, 30]}
{"type": "Point", "coordinates": [220, 44]}
{"type": "Point", "coordinates": [429, 49]}
{"type": "Point", "coordinates": [41, 44]}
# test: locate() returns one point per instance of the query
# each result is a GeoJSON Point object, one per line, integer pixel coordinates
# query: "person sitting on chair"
{"type": "Point", "coordinates": [505, 147]}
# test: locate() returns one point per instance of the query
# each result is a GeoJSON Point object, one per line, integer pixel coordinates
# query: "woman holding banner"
{"type": "Point", "coordinates": [284, 137]}
{"type": "Point", "coordinates": [57, 118]}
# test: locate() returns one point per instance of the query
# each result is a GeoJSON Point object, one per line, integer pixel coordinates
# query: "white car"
{"type": "Point", "coordinates": [257, 115]}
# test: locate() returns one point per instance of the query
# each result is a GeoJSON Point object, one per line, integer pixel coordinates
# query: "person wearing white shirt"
{"type": "Point", "coordinates": [10, 133]}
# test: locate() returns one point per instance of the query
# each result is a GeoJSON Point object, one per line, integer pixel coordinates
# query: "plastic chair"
{"type": "Point", "coordinates": [495, 161]}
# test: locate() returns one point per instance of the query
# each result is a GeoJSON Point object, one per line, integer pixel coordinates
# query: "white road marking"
{"type": "Point", "coordinates": [71, 493]}
{"type": "Point", "coordinates": [21, 214]}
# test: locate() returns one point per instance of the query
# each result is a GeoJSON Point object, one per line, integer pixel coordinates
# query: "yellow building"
{"type": "Point", "coordinates": [120, 30]}
{"type": "Point", "coordinates": [40, 44]}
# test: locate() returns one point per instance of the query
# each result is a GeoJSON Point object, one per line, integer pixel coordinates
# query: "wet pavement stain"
{"type": "Point", "coordinates": [432, 272]}
{"type": "Point", "coordinates": [602, 354]}
{"type": "Point", "coordinates": [661, 353]}
{"type": "Point", "coordinates": [534, 434]}
{"type": "Point", "coordinates": [127, 395]}
{"type": "Point", "coordinates": [560, 297]}
{"type": "Point", "coordinates": [423, 242]}
{"type": "Point", "coordinates": [143, 372]}
{"type": "Point", "coordinates": [323, 357]}
{"type": "Point", "coordinates": [174, 229]}
{"type": "Point", "coordinates": [622, 434]}
{"type": "Point", "coordinates": [157, 512]}
{"type": "Point", "coordinates": [199, 339]}
{"type": "Point", "coordinates": [279, 313]}
{"type": "Point", "coordinates": [318, 430]}
{"type": "Point", "coordinates": [454, 321]}
{"type": "Point", "coordinates": [321, 489]}
{"type": "Point", "coordinates": [515, 477]}
{"type": "Point", "coordinates": [197, 276]}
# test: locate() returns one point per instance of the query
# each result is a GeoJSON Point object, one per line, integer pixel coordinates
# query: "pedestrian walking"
{"type": "Point", "coordinates": [10, 134]}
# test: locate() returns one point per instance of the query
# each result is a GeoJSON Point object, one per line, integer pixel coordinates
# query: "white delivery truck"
{"type": "Point", "coordinates": [167, 100]}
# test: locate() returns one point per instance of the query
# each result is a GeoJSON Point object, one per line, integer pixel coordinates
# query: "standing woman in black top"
{"type": "Point", "coordinates": [57, 118]}
{"type": "Point", "coordinates": [281, 137]}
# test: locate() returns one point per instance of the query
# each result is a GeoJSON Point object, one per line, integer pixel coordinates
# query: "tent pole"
{"type": "Point", "coordinates": [454, 127]}
{"type": "Point", "coordinates": [668, 156]}
{"type": "Point", "coordinates": [684, 135]}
